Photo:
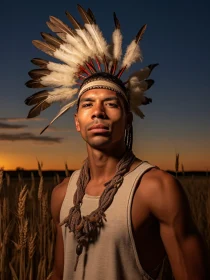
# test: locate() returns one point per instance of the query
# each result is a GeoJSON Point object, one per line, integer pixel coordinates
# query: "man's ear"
{"type": "Point", "coordinates": [76, 122]}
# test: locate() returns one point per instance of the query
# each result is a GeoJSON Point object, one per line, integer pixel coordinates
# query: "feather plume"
{"type": "Point", "coordinates": [138, 112]}
{"type": "Point", "coordinates": [60, 26]}
{"type": "Point", "coordinates": [85, 15]}
{"type": "Point", "coordinates": [46, 48]}
{"type": "Point", "coordinates": [91, 15]}
{"type": "Point", "coordinates": [55, 79]}
{"type": "Point", "coordinates": [36, 97]}
{"type": "Point", "coordinates": [62, 53]}
{"type": "Point", "coordinates": [71, 60]}
{"type": "Point", "coordinates": [138, 98]}
{"type": "Point", "coordinates": [96, 34]}
{"type": "Point", "coordinates": [60, 33]}
{"type": "Point", "coordinates": [89, 42]}
{"type": "Point", "coordinates": [133, 52]}
{"type": "Point", "coordinates": [63, 110]}
{"type": "Point", "coordinates": [52, 66]}
{"type": "Point", "coordinates": [144, 85]}
{"type": "Point", "coordinates": [42, 63]}
{"type": "Point", "coordinates": [34, 84]}
{"type": "Point", "coordinates": [36, 110]}
{"type": "Point", "coordinates": [117, 43]}
{"type": "Point", "coordinates": [44, 99]}
{"type": "Point", "coordinates": [56, 42]}
{"type": "Point", "coordinates": [36, 74]}
{"type": "Point", "coordinates": [73, 21]}
{"type": "Point", "coordinates": [144, 73]}
{"type": "Point", "coordinates": [79, 45]}
{"type": "Point", "coordinates": [61, 68]}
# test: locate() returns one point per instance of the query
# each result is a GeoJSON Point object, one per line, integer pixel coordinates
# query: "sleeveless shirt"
{"type": "Point", "coordinates": [113, 256]}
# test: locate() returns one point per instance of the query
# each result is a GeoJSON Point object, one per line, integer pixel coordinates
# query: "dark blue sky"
{"type": "Point", "coordinates": [177, 37]}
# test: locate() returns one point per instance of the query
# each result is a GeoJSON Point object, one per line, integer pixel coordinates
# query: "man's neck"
{"type": "Point", "coordinates": [103, 165]}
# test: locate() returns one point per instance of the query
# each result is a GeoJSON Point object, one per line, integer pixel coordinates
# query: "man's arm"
{"type": "Point", "coordinates": [180, 236]}
{"type": "Point", "coordinates": [57, 197]}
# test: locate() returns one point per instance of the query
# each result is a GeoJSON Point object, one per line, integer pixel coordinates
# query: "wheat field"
{"type": "Point", "coordinates": [27, 232]}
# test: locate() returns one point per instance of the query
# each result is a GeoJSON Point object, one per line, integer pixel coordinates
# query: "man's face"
{"type": "Point", "coordinates": [101, 118]}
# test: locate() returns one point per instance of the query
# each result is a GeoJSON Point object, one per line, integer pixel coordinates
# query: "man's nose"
{"type": "Point", "coordinates": [98, 111]}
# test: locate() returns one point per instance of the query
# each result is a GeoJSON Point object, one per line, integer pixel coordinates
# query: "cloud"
{"type": "Point", "coordinates": [21, 119]}
{"type": "Point", "coordinates": [11, 126]}
{"type": "Point", "coordinates": [30, 137]}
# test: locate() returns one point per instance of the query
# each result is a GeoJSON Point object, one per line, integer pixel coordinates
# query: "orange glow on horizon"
{"type": "Point", "coordinates": [11, 164]}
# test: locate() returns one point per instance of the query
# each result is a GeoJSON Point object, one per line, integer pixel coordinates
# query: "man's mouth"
{"type": "Point", "coordinates": [99, 128]}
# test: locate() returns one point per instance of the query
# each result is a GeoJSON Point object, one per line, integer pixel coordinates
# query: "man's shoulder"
{"type": "Point", "coordinates": [157, 182]}
{"type": "Point", "coordinates": [62, 186]}
{"type": "Point", "coordinates": [158, 177]}
{"type": "Point", "coordinates": [161, 190]}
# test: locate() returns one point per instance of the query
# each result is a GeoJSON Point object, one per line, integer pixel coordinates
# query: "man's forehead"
{"type": "Point", "coordinates": [99, 94]}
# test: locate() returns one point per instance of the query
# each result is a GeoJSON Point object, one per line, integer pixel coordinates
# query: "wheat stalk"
{"type": "Point", "coordinates": [67, 170]}
{"type": "Point", "coordinates": [21, 202]}
{"type": "Point", "coordinates": [177, 164]}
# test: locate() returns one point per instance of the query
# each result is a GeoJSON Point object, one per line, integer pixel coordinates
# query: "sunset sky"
{"type": "Point", "coordinates": [177, 120]}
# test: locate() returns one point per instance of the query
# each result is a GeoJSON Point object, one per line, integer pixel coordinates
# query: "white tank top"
{"type": "Point", "coordinates": [113, 256]}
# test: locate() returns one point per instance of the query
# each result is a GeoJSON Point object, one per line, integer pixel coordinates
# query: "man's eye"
{"type": "Point", "coordinates": [112, 105]}
{"type": "Point", "coordinates": [86, 105]}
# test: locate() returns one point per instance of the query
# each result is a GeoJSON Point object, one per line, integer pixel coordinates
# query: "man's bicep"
{"type": "Point", "coordinates": [178, 232]}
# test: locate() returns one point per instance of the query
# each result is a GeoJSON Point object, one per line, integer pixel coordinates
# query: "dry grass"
{"type": "Point", "coordinates": [27, 232]}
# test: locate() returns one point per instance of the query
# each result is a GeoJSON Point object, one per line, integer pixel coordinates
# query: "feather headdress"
{"type": "Point", "coordinates": [82, 52]}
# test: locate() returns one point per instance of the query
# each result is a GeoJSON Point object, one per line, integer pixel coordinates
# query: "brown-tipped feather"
{"type": "Point", "coordinates": [91, 15]}
{"type": "Point", "coordinates": [57, 30]}
{"type": "Point", "coordinates": [47, 48]}
{"type": "Point", "coordinates": [36, 74]}
{"type": "Point", "coordinates": [144, 73]}
{"type": "Point", "coordinates": [61, 26]}
{"type": "Point", "coordinates": [146, 100]}
{"type": "Point", "coordinates": [85, 16]}
{"type": "Point", "coordinates": [138, 112]}
{"type": "Point", "coordinates": [140, 34]}
{"type": "Point", "coordinates": [116, 22]}
{"type": "Point", "coordinates": [152, 66]}
{"type": "Point", "coordinates": [60, 113]}
{"type": "Point", "coordinates": [73, 21]}
{"type": "Point", "coordinates": [34, 84]}
{"type": "Point", "coordinates": [42, 63]}
{"type": "Point", "coordinates": [36, 97]}
{"type": "Point", "coordinates": [149, 82]}
{"type": "Point", "coordinates": [36, 110]}
{"type": "Point", "coordinates": [56, 42]}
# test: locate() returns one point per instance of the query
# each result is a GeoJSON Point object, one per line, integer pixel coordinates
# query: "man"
{"type": "Point", "coordinates": [118, 217]}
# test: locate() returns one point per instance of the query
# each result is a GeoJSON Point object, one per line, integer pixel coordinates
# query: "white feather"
{"type": "Point", "coordinates": [100, 42]}
{"type": "Point", "coordinates": [132, 55]}
{"type": "Point", "coordinates": [142, 74]}
{"type": "Point", "coordinates": [74, 52]}
{"type": "Point", "coordinates": [61, 112]}
{"type": "Point", "coordinates": [65, 57]}
{"type": "Point", "coordinates": [58, 79]}
{"type": "Point", "coordinates": [137, 111]}
{"type": "Point", "coordinates": [136, 97]}
{"type": "Point", "coordinates": [117, 44]}
{"type": "Point", "coordinates": [135, 83]}
{"type": "Point", "coordinates": [61, 94]}
{"type": "Point", "coordinates": [61, 68]}
{"type": "Point", "coordinates": [90, 45]}
{"type": "Point", "coordinates": [77, 43]}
